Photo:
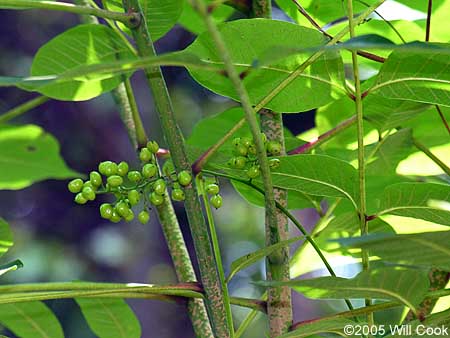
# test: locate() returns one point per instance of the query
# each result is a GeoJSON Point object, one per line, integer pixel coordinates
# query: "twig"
{"type": "Point", "coordinates": [23, 108]}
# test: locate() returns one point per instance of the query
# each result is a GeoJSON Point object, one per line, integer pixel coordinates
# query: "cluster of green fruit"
{"type": "Point", "coordinates": [244, 151]}
{"type": "Point", "coordinates": [130, 186]}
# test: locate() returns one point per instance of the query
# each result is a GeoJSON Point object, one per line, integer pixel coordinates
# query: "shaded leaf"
{"type": "Point", "coordinates": [110, 317]}
{"type": "Point", "coordinates": [28, 154]}
{"type": "Point", "coordinates": [6, 237]}
{"type": "Point", "coordinates": [253, 257]}
{"type": "Point", "coordinates": [429, 249]}
{"type": "Point", "coordinates": [406, 286]}
{"type": "Point", "coordinates": [82, 45]}
{"type": "Point", "coordinates": [307, 329]}
{"type": "Point", "coordinates": [30, 320]}
{"type": "Point", "coordinates": [316, 86]}
{"type": "Point", "coordinates": [427, 201]}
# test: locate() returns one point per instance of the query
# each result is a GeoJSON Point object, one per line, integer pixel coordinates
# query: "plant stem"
{"type": "Point", "coordinates": [279, 302]}
{"type": "Point", "coordinates": [129, 20]}
{"type": "Point", "coordinates": [217, 256]}
{"type": "Point", "coordinates": [277, 262]}
{"type": "Point", "coordinates": [428, 28]}
{"type": "Point", "coordinates": [361, 158]}
{"type": "Point", "coordinates": [433, 157]}
{"type": "Point", "coordinates": [324, 137]}
{"type": "Point", "coordinates": [174, 138]}
{"type": "Point", "coordinates": [139, 131]}
{"type": "Point", "coordinates": [444, 121]}
{"type": "Point", "coordinates": [23, 108]}
{"type": "Point", "coordinates": [283, 84]}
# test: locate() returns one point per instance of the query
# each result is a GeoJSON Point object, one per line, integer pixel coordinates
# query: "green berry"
{"type": "Point", "coordinates": [115, 217]}
{"type": "Point", "coordinates": [238, 162]}
{"type": "Point", "coordinates": [273, 148]}
{"type": "Point", "coordinates": [153, 146]}
{"type": "Point", "coordinates": [89, 184]}
{"type": "Point", "coordinates": [114, 181]}
{"type": "Point", "coordinates": [106, 210]}
{"type": "Point", "coordinates": [237, 141]}
{"type": "Point", "coordinates": [134, 176]}
{"type": "Point", "coordinates": [88, 193]}
{"type": "Point", "coordinates": [130, 216]}
{"type": "Point", "coordinates": [122, 168]}
{"type": "Point", "coordinates": [212, 189]}
{"type": "Point", "coordinates": [216, 201]}
{"type": "Point", "coordinates": [107, 168]}
{"type": "Point", "coordinates": [159, 186]}
{"type": "Point", "coordinates": [184, 178]}
{"type": "Point", "coordinates": [75, 185]}
{"type": "Point", "coordinates": [274, 163]}
{"type": "Point", "coordinates": [251, 149]}
{"type": "Point", "coordinates": [80, 199]}
{"type": "Point", "coordinates": [95, 178]}
{"type": "Point", "coordinates": [246, 141]}
{"type": "Point", "coordinates": [145, 155]}
{"type": "Point", "coordinates": [122, 209]}
{"type": "Point", "coordinates": [134, 197]}
{"type": "Point", "coordinates": [156, 199]}
{"type": "Point", "coordinates": [240, 150]}
{"type": "Point", "coordinates": [143, 217]}
{"type": "Point", "coordinates": [178, 195]}
{"type": "Point", "coordinates": [253, 172]}
{"type": "Point", "coordinates": [149, 170]}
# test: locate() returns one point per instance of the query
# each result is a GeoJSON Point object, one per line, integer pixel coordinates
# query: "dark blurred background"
{"type": "Point", "coordinates": [60, 241]}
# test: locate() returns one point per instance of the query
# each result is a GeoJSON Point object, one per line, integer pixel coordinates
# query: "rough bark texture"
{"type": "Point", "coordinates": [279, 304]}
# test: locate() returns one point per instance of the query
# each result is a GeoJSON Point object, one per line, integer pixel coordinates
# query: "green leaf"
{"type": "Point", "coordinates": [424, 249]}
{"type": "Point", "coordinates": [318, 85]}
{"type": "Point", "coordinates": [160, 15]}
{"type": "Point", "coordinates": [6, 237]}
{"type": "Point", "coordinates": [427, 201]}
{"type": "Point", "coordinates": [405, 286]}
{"type": "Point", "coordinates": [385, 155]}
{"type": "Point", "coordinates": [253, 257]}
{"type": "Point", "coordinates": [347, 225]}
{"type": "Point", "coordinates": [11, 266]}
{"type": "Point", "coordinates": [317, 175]}
{"type": "Point", "coordinates": [385, 114]}
{"type": "Point", "coordinates": [110, 317]}
{"type": "Point", "coordinates": [320, 326]}
{"type": "Point", "coordinates": [82, 45]}
{"type": "Point", "coordinates": [28, 154]}
{"type": "Point", "coordinates": [193, 22]}
{"type": "Point", "coordinates": [420, 77]}
{"type": "Point", "coordinates": [30, 320]}
{"type": "Point", "coordinates": [296, 199]}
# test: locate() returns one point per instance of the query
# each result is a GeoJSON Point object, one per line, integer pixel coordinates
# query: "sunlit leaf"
{"type": "Point", "coordinates": [28, 154]}
{"type": "Point", "coordinates": [6, 237]}
{"type": "Point", "coordinates": [320, 326]}
{"type": "Point", "coordinates": [325, 76]}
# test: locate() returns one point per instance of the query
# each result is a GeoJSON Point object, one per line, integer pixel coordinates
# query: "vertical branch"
{"type": "Point", "coordinates": [175, 140]}
{"type": "Point", "coordinates": [428, 28]}
{"type": "Point", "coordinates": [279, 301]}
{"type": "Point", "coordinates": [361, 158]}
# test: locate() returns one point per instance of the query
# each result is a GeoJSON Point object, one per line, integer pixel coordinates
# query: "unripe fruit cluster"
{"type": "Point", "coordinates": [215, 199]}
{"type": "Point", "coordinates": [131, 188]}
{"type": "Point", "coordinates": [244, 151]}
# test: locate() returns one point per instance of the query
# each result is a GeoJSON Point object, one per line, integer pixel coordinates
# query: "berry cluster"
{"type": "Point", "coordinates": [131, 187]}
{"type": "Point", "coordinates": [244, 151]}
